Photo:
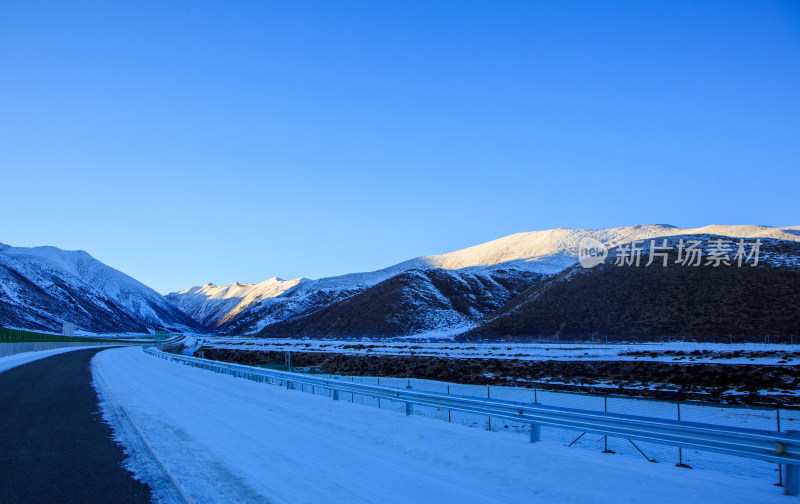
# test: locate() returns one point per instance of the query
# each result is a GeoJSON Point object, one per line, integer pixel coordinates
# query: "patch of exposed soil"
{"type": "Point", "coordinates": [784, 356]}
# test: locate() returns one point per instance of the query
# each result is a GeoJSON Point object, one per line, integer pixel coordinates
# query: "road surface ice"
{"type": "Point", "coordinates": [200, 436]}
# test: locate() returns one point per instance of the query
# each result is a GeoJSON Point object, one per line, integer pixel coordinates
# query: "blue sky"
{"type": "Point", "coordinates": [187, 142]}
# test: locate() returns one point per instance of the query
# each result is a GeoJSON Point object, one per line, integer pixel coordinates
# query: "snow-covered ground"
{"type": "Point", "coordinates": [208, 437]}
{"type": "Point", "coordinates": [18, 359]}
{"type": "Point", "coordinates": [721, 353]}
{"type": "Point", "coordinates": [734, 416]}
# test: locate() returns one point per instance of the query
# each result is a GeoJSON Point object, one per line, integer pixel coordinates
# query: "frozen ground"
{"type": "Point", "coordinates": [738, 353]}
{"type": "Point", "coordinates": [212, 438]}
{"type": "Point", "coordinates": [754, 418]}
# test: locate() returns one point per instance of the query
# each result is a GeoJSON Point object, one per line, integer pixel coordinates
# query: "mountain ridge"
{"type": "Point", "coordinates": [546, 252]}
{"type": "Point", "coordinates": [461, 291]}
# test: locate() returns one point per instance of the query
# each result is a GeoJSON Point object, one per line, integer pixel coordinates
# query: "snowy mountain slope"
{"type": "Point", "coordinates": [212, 306]}
{"type": "Point", "coordinates": [542, 252]}
{"type": "Point", "coordinates": [553, 250]}
{"type": "Point", "coordinates": [289, 305]}
{"type": "Point", "coordinates": [41, 287]}
{"type": "Point", "coordinates": [243, 307]}
{"type": "Point", "coordinates": [412, 302]}
{"type": "Point", "coordinates": [307, 296]}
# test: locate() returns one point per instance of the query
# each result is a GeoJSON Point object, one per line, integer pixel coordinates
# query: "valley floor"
{"type": "Point", "coordinates": [667, 351]}
{"type": "Point", "coordinates": [740, 374]}
{"type": "Point", "coordinates": [207, 437]}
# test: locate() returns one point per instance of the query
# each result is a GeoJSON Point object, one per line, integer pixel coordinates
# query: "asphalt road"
{"type": "Point", "coordinates": [54, 445]}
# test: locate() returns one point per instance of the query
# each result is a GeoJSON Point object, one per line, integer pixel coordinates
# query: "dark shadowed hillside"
{"type": "Point", "coordinates": [413, 301]}
{"type": "Point", "coordinates": [628, 302]}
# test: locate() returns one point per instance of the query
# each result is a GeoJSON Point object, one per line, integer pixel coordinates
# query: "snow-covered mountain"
{"type": "Point", "coordinates": [41, 287]}
{"type": "Point", "coordinates": [414, 301]}
{"type": "Point", "coordinates": [212, 306]}
{"type": "Point", "coordinates": [529, 257]}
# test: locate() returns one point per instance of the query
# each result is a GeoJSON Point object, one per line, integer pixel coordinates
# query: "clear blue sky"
{"type": "Point", "coordinates": [187, 142]}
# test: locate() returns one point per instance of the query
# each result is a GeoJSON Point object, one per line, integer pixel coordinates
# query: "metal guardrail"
{"type": "Point", "coordinates": [7, 349]}
{"type": "Point", "coordinates": [172, 345]}
{"type": "Point", "coordinates": [769, 446]}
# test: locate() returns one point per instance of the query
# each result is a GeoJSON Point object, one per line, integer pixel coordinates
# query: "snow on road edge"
{"type": "Point", "coordinates": [142, 460]}
{"type": "Point", "coordinates": [12, 361]}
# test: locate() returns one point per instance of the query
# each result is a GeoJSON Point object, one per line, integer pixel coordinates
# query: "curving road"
{"type": "Point", "coordinates": [54, 445]}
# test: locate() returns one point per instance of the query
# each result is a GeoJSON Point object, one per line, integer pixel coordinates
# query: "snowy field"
{"type": "Point", "coordinates": [735, 416]}
{"type": "Point", "coordinates": [751, 353]}
{"type": "Point", "coordinates": [209, 437]}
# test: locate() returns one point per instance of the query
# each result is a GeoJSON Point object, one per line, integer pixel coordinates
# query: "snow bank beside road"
{"type": "Point", "coordinates": [223, 439]}
{"type": "Point", "coordinates": [19, 359]}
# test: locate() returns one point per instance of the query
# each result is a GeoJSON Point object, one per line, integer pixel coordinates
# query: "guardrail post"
{"type": "Point", "coordinates": [409, 406]}
{"type": "Point", "coordinates": [536, 429]}
{"type": "Point", "coordinates": [791, 472]}
{"type": "Point", "coordinates": [536, 433]}
{"type": "Point", "coordinates": [605, 438]}
{"type": "Point", "coordinates": [791, 479]}
{"type": "Point", "coordinates": [449, 411]}
{"type": "Point", "coordinates": [335, 394]}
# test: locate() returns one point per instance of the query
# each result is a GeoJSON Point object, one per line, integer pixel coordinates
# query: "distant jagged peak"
{"type": "Point", "coordinates": [241, 290]}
